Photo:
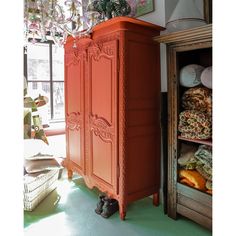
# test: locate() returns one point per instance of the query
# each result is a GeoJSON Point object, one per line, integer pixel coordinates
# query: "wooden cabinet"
{"type": "Point", "coordinates": [75, 108]}
{"type": "Point", "coordinates": [112, 94]}
{"type": "Point", "coordinates": [193, 46]}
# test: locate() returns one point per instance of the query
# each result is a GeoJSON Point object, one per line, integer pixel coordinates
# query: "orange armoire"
{"type": "Point", "coordinates": [112, 100]}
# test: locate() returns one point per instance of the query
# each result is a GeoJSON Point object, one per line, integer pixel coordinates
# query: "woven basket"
{"type": "Point", "coordinates": [31, 205]}
{"type": "Point", "coordinates": [33, 181]}
{"type": "Point", "coordinates": [29, 196]}
{"type": "Point", "coordinates": [40, 184]}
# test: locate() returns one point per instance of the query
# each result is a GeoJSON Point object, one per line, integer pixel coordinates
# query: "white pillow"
{"type": "Point", "coordinates": [37, 149]}
{"type": "Point", "coordinates": [40, 156]}
{"type": "Point", "coordinates": [41, 165]}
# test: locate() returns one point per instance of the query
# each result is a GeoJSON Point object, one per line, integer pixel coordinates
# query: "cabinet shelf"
{"type": "Point", "coordinates": [195, 194]}
{"type": "Point", "coordinates": [201, 141]}
{"type": "Point", "coordinates": [191, 46]}
{"type": "Point", "coordinates": [188, 188]}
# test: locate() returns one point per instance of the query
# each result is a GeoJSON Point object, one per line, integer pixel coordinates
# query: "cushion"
{"type": "Point", "coordinates": [33, 166]}
{"type": "Point", "coordinates": [206, 77]}
{"type": "Point", "coordinates": [37, 149]}
{"type": "Point", "coordinates": [40, 156]}
{"type": "Point", "coordinates": [190, 75]}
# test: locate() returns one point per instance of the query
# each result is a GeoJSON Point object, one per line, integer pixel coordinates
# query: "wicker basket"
{"type": "Point", "coordinates": [31, 205]}
{"type": "Point", "coordinates": [42, 185]}
{"type": "Point", "coordinates": [33, 181]}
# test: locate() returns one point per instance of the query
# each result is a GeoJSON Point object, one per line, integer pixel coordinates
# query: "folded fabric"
{"type": "Point", "coordinates": [209, 185]}
{"type": "Point", "coordinates": [202, 171]}
{"type": "Point", "coordinates": [192, 178]}
{"type": "Point", "coordinates": [186, 147]}
{"type": "Point", "coordinates": [204, 155]}
{"type": "Point", "coordinates": [33, 166]}
{"type": "Point", "coordinates": [199, 99]}
{"type": "Point", "coordinates": [195, 124]}
{"type": "Point", "coordinates": [187, 159]}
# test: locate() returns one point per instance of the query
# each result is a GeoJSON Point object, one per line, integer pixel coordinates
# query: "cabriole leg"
{"type": "Point", "coordinates": [69, 174]}
{"type": "Point", "coordinates": [122, 211]}
{"type": "Point", "coordinates": [156, 199]}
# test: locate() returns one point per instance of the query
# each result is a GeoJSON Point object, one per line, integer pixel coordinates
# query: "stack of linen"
{"type": "Point", "coordinates": [195, 164]}
{"type": "Point", "coordinates": [41, 172]}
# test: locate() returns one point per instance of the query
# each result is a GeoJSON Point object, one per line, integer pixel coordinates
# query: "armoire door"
{"type": "Point", "coordinates": [102, 115]}
{"type": "Point", "coordinates": [74, 96]}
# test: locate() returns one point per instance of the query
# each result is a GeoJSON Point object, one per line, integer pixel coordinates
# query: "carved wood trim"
{"type": "Point", "coordinates": [106, 38]}
{"type": "Point", "coordinates": [109, 191]}
{"type": "Point", "coordinates": [73, 121]}
{"type": "Point", "coordinates": [101, 127]}
{"type": "Point", "coordinates": [74, 57]}
{"type": "Point", "coordinates": [122, 123]}
{"type": "Point", "coordinates": [199, 33]}
{"type": "Point", "coordinates": [97, 50]}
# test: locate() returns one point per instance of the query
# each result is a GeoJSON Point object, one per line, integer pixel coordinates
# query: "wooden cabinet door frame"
{"type": "Point", "coordinates": [99, 127]}
{"type": "Point", "coordinates": [75, 123]}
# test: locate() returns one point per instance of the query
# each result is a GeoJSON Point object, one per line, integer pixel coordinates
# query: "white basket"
{"type": "Point", "coordinates": [29, 196]}
{"type": "Point", "coordinates": [33, 181]}
{"type": "Point", "coordinates": [38, 186]}
{"type": "Point", "coordinates": [30, 205]}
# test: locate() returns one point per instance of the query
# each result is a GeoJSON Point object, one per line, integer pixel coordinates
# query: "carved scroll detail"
{"type": "Point", "coordinates": [73, 121]}
{"type": "Point", "coordinates": [100, 49]}
{"type": "Point", "coordinates": [101, 128]}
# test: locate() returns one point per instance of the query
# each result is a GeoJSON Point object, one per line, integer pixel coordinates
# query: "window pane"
{"type": "Point", "coordinates": [58, 63]}
{"type": "Point", "coordinates": [38, 61]}
{"type": "Point", "coordinates": [58, 100]}
{"type": "Point", "coordinates": [42, 88]}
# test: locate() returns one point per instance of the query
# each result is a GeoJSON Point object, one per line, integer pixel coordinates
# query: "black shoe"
{"type": "Point", "coordinates": [100, 204]}
{"type": "Point", "coordinates": [110, 207]}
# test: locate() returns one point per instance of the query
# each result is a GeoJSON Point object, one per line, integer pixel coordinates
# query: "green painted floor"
{"type": "Point", "coordinates": [69, 211]}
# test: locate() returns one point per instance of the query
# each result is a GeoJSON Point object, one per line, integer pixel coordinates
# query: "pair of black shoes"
{"type": "Point", "coordinates": [106, 206]}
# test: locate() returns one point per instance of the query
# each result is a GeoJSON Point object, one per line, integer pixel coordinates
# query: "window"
{"type": "Point", "coordinates": [44, 71]}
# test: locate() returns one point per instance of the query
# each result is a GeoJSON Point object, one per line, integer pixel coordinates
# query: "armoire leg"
{"type": "Point", "coordinates": [122, 211]}
{"type": "Point", "coordinates": [69, 174]}
{"type": "Point", "coordinates": [156, 199]}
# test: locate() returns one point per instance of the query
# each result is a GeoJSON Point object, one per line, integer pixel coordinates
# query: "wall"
{"type": "Point", "coordinates": [158, 15]}
{"type": "Point", "coordinates": [161, 14]}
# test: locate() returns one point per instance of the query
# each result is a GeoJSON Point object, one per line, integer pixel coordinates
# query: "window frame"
{"type": "Point", "coordinates": [57, 127]}
{"type": "Point", "coordinates": [50, 81]}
